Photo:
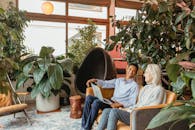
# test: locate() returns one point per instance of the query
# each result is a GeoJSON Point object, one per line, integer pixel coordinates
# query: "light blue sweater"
{"type": "Point", "coordinates": [125, 91]}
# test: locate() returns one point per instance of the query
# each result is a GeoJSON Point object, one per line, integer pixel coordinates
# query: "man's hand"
{"type": "Point", "coordinates": [90, 81]}
{"type": "Point", "coordinates": [116, 105]}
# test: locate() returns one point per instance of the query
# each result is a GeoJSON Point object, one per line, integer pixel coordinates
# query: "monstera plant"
{"type": "Point", "coordinates": [12, 24]}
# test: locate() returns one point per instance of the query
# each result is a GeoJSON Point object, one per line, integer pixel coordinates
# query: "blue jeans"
{"type": "Point", "coordinates": [110, 117]}
{"type": "Point", "coordinates": [90, 111]}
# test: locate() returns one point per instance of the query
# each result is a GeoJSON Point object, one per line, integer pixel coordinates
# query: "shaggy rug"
{"type": "Point", "coordinates": [47, 121]}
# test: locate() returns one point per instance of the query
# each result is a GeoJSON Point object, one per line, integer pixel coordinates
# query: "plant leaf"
{"type": "Point", "coordinates": [35, 91]}
{"type": "Point", "coordinates": [180, 17]}
{"type": "Point", "coordinates": [66, 64]}
{"type": "Point", "coordinates": [173, 71]}
{"type": "Point", "coordinates": [46, 52]}
{"type": "Point", "coordinates": [192, 14]}
{"type": "Point", "coordinates": [55, 74]}
{"type": "Point", "coordinates": [163, 7]}
{"type": "Point", "coordinates": [172, 114]}
{"type": "Point", "coordinates": [189, 74]}
{"type": "Point", "coordinates": [27, 68]}
{"type": "Point", "coordinates": [45, 87]}
{"type": "Point", "coordinates": [43, 63]}
{"type": "Point", "coordinates": [38, 75]}
{"type": "Point", "coordinates": [178, 85]}
{"type": "Point", "coordinates": [21, 80]}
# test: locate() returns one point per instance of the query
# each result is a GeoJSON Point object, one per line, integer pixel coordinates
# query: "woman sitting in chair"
{"type": "Point", "coordinates": [152, 94]}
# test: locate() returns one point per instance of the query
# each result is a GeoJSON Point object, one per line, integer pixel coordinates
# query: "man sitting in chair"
{"type": "Point", "coordinates": [125, 95]}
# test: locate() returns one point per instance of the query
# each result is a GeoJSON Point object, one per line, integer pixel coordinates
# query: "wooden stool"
{"type": "Point", "coordinates": [75, 104]}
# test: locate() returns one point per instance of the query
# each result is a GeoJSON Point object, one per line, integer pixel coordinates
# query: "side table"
{"type": "Point", "coordinates": [75, 104]}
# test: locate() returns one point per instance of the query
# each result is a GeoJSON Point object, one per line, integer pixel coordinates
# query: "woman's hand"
{"type": "Point", "coordinates": [90, 81]}
{"type": "Point", "coordinates": [116, 105]}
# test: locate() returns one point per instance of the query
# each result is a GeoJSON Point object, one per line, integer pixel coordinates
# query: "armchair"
{"type": "Point", "coordinates": [12, 103]}
{"type": "Point", "coordinates": [140, 117]}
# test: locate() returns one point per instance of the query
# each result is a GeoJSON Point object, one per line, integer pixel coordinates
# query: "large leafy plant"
{"type": "Point", "coordinates": [81, 46]}
{"type": "Point", "coordinates": [46, 72]}
{"type": "Point", "coordinates": [12, 24]}
{"type": "Point", "coordinates": [158, 32]}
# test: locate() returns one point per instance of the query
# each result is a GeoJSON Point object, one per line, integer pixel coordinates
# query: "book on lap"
{"type": "Point", "coordinates": [97, 92]}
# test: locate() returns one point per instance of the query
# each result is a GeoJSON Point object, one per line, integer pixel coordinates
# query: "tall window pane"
{"type": "Point", "coordinates": [41, 33]}
{"type": "Point", "coordinates": [88, 11]}
{"type": "Point", "coordinates": [73, 33]}
{"type": "Point", "coordinates": [35, 6]}
{"type": "Point", "coordinates": [124, 14]}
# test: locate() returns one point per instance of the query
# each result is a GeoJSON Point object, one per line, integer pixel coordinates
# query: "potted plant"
{"type": "Point", "coordinates": [12, 24]}
{"type": "Point", "coordinates": [47, 74]}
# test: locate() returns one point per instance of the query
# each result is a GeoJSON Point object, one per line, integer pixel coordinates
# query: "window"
{"type": "Point", "coordinates": [88, 11]}
{"type": "Point", "coordinates": [35, 6]}
{"type": "Point", "coordinates": [73, 33]}
{"type": "Point", "coordinates": [41, 33]}
{"type": "Point", "coordinates": [124, 14]}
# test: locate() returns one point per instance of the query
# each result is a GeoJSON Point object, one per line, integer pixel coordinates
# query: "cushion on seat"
{"type": "Point", "coordinates": [12, 109]}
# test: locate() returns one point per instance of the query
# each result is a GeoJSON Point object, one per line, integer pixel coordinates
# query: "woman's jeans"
{"type": "Point", "coordinates": [90, 111]}
{"type": "Point", "coordinates": [110, 117]}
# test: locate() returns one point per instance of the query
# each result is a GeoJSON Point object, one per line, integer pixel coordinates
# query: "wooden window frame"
{"type": "Point", "coordinates": [110, 4]}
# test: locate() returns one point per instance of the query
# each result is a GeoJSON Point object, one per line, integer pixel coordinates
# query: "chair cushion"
{"type": "Point", "coordinates": [12, 109]}
{"type": "Point", "coordinates": [5, 99]}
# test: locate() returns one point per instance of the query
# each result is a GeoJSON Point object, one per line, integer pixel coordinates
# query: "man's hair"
{"type": "Point", "coordinates": [136, 65]}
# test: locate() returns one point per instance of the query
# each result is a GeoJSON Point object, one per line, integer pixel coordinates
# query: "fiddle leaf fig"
{"type": "Point", "coordinates": [160, 31]}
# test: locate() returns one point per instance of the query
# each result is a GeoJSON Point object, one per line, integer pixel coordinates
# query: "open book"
{"type": "Point", "coordinates": [97, 92]}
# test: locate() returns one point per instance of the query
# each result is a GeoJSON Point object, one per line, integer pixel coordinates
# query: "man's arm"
{"type": "Point", "coordinates": [90, 81]}
{"type": "Point", "coordinates": [107, 83]}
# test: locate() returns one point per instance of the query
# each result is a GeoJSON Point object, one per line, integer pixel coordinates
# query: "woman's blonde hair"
{"type": "Point", "coordinates": [155, 72]}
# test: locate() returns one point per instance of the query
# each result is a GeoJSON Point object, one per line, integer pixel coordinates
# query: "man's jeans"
{"type": "Point", "coordinates": [90, 111]}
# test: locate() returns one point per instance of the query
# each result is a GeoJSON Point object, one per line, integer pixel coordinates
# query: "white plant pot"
{"type": "Point", "coordinates": [47, 104]}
